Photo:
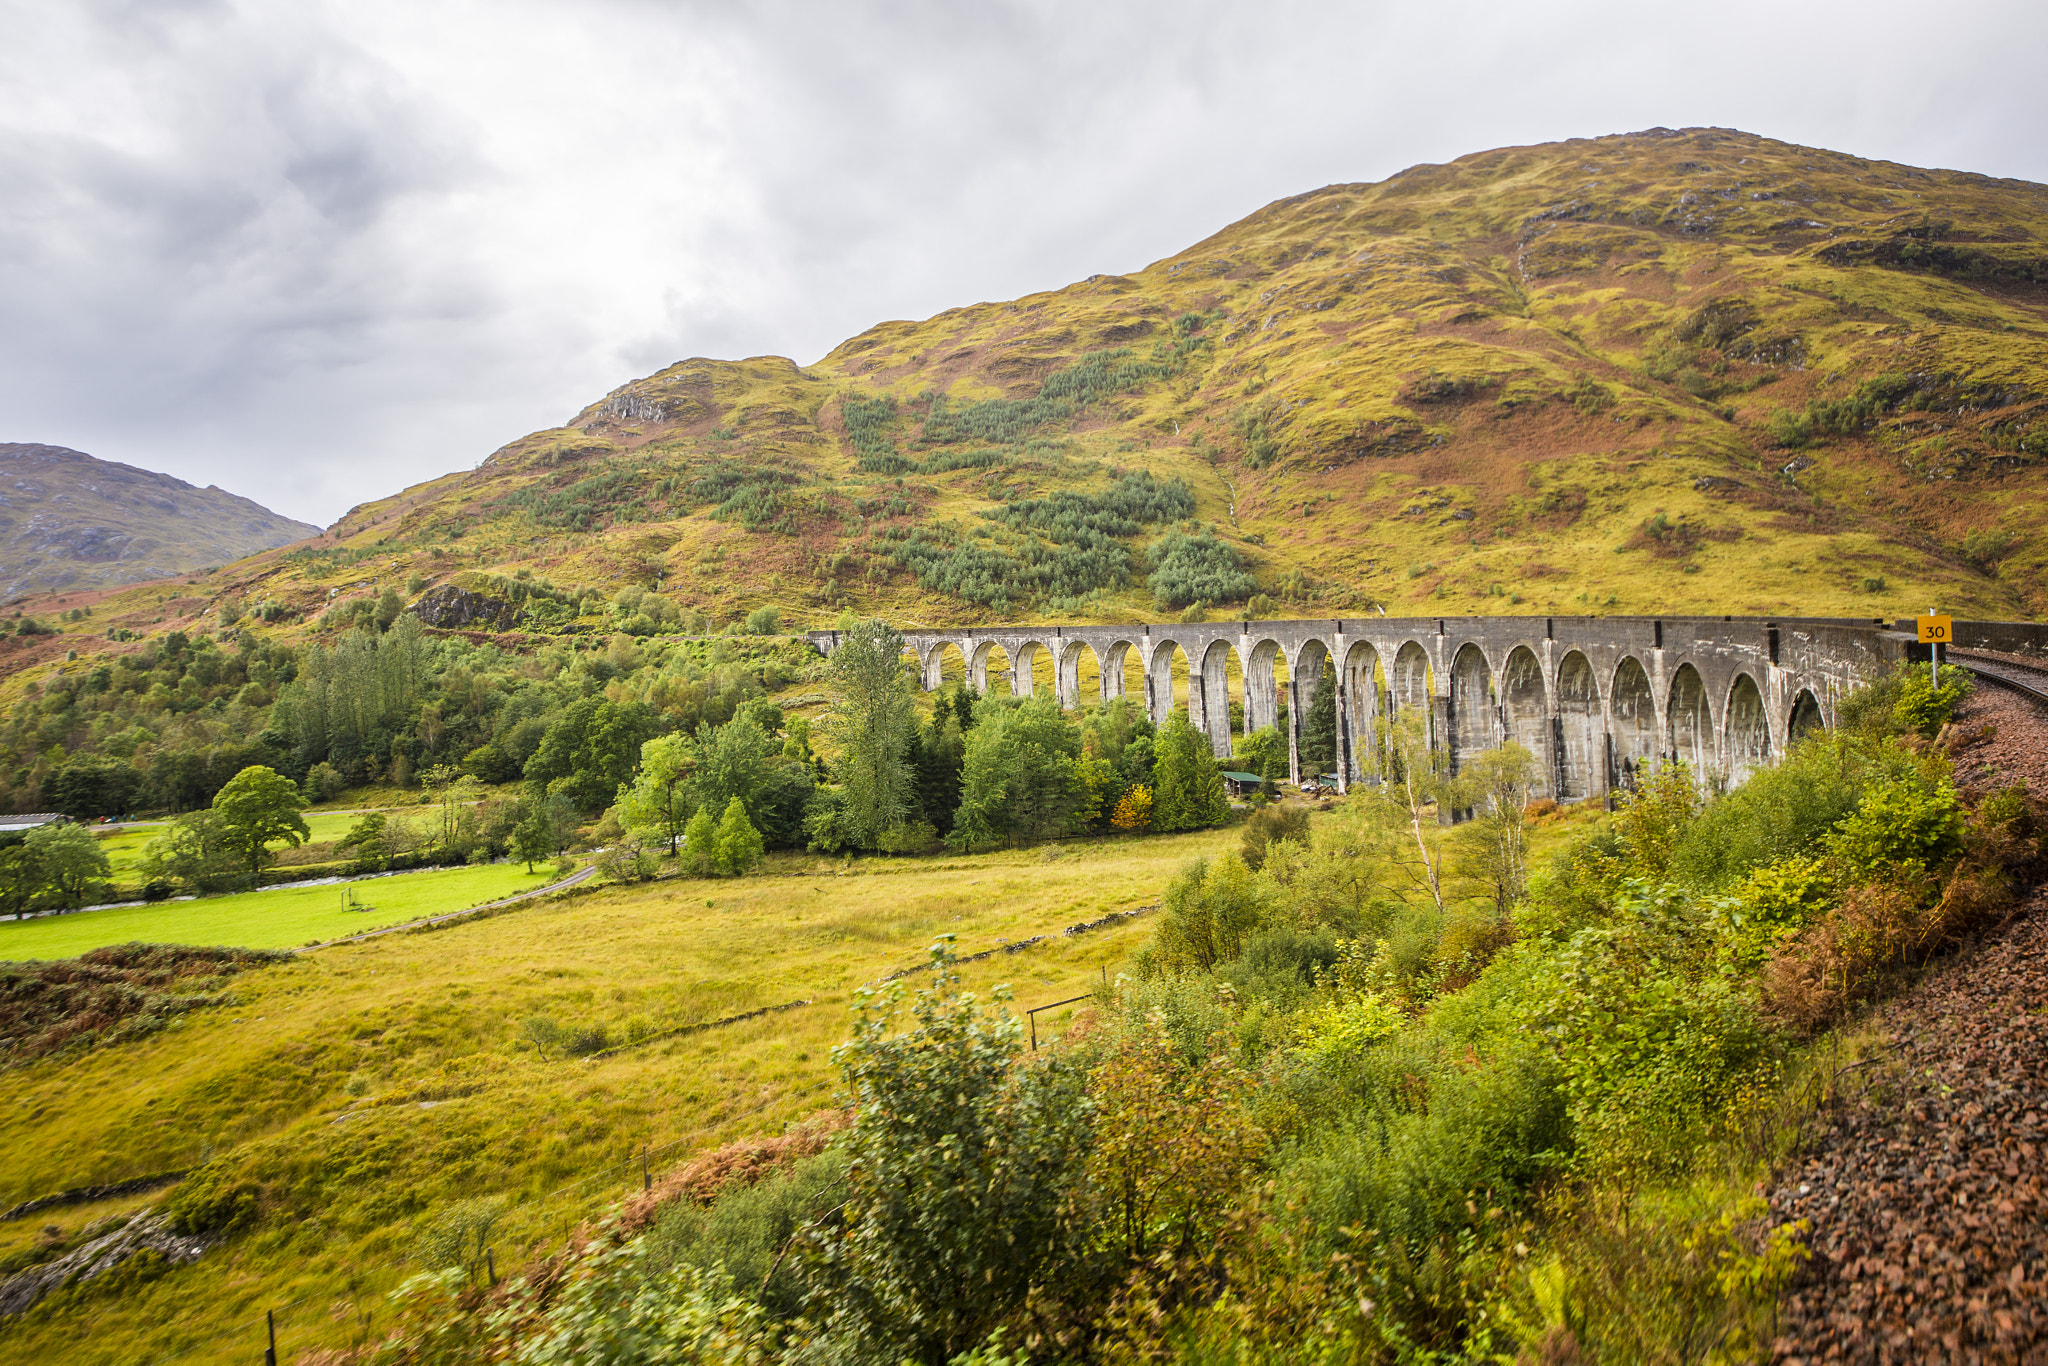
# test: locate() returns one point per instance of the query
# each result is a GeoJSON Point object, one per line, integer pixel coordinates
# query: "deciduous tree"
{"type": "Point", "coordinates": [659, 800]}
{"type": "Point", "coordinates": [737, 849]}
{"type": "Point", "coordinates": [873, 721]}
{"type": "Point", "coordinates": [257, 806]}
{"type": "Point", "coordinates": [67, 861]}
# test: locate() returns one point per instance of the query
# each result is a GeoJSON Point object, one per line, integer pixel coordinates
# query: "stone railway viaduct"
{"type": "Point", "coordinates": [1594, 698]}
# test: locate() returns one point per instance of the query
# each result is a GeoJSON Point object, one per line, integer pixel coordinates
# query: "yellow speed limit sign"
{"type": "Point", "coordinates": [1935, 630]}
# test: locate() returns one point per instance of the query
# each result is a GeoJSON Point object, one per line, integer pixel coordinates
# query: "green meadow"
{"type": "Point", "coordinates": [274, 917]}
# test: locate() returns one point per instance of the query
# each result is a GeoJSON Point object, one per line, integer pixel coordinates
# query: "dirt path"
{"type": "Point", "coordinates": [1926, 1195]}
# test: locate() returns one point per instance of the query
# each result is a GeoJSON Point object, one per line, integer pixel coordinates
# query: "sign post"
{"type": "Point", "coordinates": [1935, 632]}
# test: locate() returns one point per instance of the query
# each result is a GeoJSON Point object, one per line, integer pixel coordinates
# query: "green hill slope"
{"type": "Point", "coordinates": [1667, 371]}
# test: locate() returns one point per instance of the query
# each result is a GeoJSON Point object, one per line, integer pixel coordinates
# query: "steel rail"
{"type": "Point", "coordinates": [2029, 682]}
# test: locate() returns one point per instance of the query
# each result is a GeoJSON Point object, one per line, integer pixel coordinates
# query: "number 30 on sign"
{"type": "Point", "coordinates": [1935, 630]}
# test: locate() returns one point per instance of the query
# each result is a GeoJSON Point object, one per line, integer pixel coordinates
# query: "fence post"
{"type": "Point", "coordinates": [646, 1181]}
{"type": "Point", "coordinates": [491, 1263]}
{"type": "Point", "coordinates": [270, 1323]}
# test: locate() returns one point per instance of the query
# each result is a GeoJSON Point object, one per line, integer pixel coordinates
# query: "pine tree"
{"type": "Point", "coordinates": [1319, 726]}
{"type": "Point", "coordinates": [1187, 785]}
{"type": "Point", "coordinates": [936, 758]}
{"type": "Point", "coordinates": [700, 843]}
{"type": "Point", "coordinates": [738, 843]}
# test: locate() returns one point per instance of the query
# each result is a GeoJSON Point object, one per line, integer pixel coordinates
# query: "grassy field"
{"type": "Point", "coordinates": [273, 918]}
{"type": "Point", "coordinates": [124, 848]}
{"type": "Point", "coordinates": [367, 1087]}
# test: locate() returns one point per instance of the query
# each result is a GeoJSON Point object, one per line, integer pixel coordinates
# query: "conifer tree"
{"type": "Point", "coordinates": [1319, 726]}
{"type": "Point", "coordinates": [700, 843]}
{"type": "Point", "coordinates": [1187, 785]}
{"type": "Point", "coordinates": [737, 846]}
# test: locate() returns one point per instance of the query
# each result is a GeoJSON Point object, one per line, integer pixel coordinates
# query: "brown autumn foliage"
{"type": "Point", "coordinates": [47, 1006]}
{"type": "Point", "coordinates": [1882, 928]}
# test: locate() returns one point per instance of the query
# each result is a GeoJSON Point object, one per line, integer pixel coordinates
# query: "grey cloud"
{"type": "Point", "coordinates": [315, 253]}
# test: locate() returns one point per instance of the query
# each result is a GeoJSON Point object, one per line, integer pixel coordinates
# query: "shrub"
{"type": "Point", "coordinates": [211, 1202]}
{"type": "Point", "coordinates": [1172, 1145]}
{"type": "Point", "coordinates": [1273, 824]}
{"type": "Point", "coordinates": [960, 1190]}
{"type": "Point", "coordinates": [747, 1232]}
{"type": "Point", "coordinates": [1775, 900]}
{"type": "Point", "coordinates": [1778, 813]}
{"type": "Point", "coordinates": [1905, 701]}
{"type": "Point", "coordinates": [1904, 828]}
{"type": "Point", "coordinates": [1211, 910]}
{"type": "Point", "coordinates": [458, 1238]}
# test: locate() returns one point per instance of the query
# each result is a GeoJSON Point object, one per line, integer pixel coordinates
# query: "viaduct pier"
{"type": "Point", "coordinates": [1594, 698]}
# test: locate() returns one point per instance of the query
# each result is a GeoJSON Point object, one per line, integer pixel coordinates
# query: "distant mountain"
{"type": "Point", "coordinates": [70, 521]}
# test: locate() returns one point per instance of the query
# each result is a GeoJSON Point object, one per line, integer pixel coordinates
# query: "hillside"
{"type": "Point", "coordinates": [1664, 371]}
{"type": "Point", "coordinates": [69, 522]}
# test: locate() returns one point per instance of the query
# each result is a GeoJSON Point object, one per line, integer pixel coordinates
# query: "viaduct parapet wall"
{"type": "Point", "coordinates": [1594, 698]}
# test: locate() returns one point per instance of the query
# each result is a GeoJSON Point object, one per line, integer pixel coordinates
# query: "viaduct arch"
{"type": "Point", "coordinates": [1596, 699]}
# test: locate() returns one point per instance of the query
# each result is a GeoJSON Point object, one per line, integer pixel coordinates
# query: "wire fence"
{"type": "Point", "coordinates": [309, 1320]}
{"type": "Point", "coordinates": [298, 1322]}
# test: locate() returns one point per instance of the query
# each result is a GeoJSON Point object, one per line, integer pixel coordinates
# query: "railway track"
{"type": "Point", "coordinates": [2026, 679]}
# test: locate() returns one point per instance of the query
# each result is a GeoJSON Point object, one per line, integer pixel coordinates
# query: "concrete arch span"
{"type": "Point", "coordinates": [1262, 686]}
{"type": "Point", "coordinates": [982, 660]}
{"type": "Point", "coordinates": [1805, 717]}
{"type": "Point", "coordinates": [1631, 724]}
{"type": "Point", "coordinates": [1304, 681]}
{"type": "Point", "coordinates": [1525, 715]}
{"type": "Point", "coordinates": [1067, 672]}
{"type": "Point", "coordinates": [1159, 700]}
{"type": "Point", "coordinates": [1746, 731]}
{"type": "Point", "coordinates": [1475, 723]}
{"type": "Point", "coordinates": [1211, 699]}
{"type": "Point", "coordinates": [943, 657]}
{"type": "Point", "coordinates": [1691, 720]}
{"type": "Point", "coordinates": [1580, 759]}
{"type": "Point", "coordinates": [1358, 739]}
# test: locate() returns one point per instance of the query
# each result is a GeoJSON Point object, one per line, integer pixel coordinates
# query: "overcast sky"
{"type": "Point", "coordinates": [316, 251]}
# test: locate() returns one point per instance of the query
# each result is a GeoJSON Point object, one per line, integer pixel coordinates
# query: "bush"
{"type": "Point", "coordinates": [1905, 828]}
{"type": "Point", "coordinates": [1212, 909]}
{"type": "Point", "coordinates": [323, 783]}
{"type": "Point", "coordinates": [764, 621]}
{"type": "Point", "coordinates": [1778, 813]}
{"type": "Point", "coordinates": [458, 1238]}
{"type": "Point", "coordinates": [211, 1202]}
{"type": "Point", "coordinates": [1905, 702]}
{"type": "Point", "coordinates": [1271, 825]}
{"type": "Point", "coordinates": [747, 1232]}
{"type": "Point", "coordinates": [960, 1194]}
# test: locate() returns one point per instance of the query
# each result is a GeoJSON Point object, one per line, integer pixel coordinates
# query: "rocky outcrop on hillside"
{"type": "Point", "coordinates": [146, 1231]}
{"type": "Point", "coordinates": [70, 521]}
{"type": "Point", "coordinates": [453, 608]}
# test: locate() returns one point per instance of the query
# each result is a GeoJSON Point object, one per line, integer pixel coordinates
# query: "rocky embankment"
{"type": "Point", "coordinates": [1926, 1193]}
